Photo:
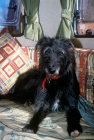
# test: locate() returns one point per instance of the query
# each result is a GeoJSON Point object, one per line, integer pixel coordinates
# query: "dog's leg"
{"type": "Point", "coordinates": [39, 115]}
{"type": "Point", "coordinates": [73, 119]}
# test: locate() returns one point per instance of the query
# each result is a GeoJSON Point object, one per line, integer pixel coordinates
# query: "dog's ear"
{"type": "Point", "coordinates": [69, 45]}
{"type": "Point", "coordinates": [71, 51]}
{"type": "Point", "coordinates": [41, 42]}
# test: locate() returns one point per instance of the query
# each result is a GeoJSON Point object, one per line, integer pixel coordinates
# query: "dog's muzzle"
{"type": "Point", "coordinates": [52, 71]}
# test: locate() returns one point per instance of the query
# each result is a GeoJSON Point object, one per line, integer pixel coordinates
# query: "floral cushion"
{"type": "Point", "coordinates": [13, 61]}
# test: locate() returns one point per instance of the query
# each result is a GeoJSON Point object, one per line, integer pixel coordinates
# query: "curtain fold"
{"type": "Point", "coordinates": [33, 29]}
{"type": "Point", "coordinates": [65, 28]}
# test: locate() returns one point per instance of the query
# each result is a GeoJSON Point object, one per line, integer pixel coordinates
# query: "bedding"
{"type": "Point", "coordinates": [13, 117]}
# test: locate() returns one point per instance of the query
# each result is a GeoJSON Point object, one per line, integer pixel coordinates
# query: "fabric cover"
{"type": "Point", "coordinates": [13, 61]}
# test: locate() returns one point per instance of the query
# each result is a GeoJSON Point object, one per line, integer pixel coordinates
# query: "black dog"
{"type": "Point", "coordinates": [52, 86]}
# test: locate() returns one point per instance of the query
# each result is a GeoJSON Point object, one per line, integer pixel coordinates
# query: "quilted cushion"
{"type": "Point", "coordinates": [33, 54]}
{"type": "Point", "coordinates": [29, 51]}
{"type": "Point", "coordinates": [13, 61]}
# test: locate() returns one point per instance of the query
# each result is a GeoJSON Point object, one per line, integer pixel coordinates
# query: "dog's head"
{"type": "Point", "coordinates": [56, 55]}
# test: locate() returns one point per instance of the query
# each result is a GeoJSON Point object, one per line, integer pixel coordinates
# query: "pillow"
{"type": "Point", "coordinates": [13, 61]}
{"type": "Point", "coordinates": [29, 51]}
{"type": "Point", "coordinates": [33, 54]}
{"type": "Point", "coordinates": [36, 56]}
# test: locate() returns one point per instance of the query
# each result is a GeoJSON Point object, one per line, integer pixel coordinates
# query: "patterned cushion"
{"type": "Point", "coordinates": [34, 55]}
{"type": "Point", "coordinates": [29, 51]}
{"type": "Point", "coordinates": [13, 61]}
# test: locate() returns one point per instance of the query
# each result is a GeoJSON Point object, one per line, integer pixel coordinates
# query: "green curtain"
{"type": "Point", "coordinates": [65, 28]}
{"type": "Point", "coordinates": [33, 28]}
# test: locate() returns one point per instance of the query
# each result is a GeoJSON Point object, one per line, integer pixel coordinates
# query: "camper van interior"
{"type": "Point", "coordinates": [22, 24]}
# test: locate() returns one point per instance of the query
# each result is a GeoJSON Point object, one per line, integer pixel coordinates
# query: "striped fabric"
{"type": "Point", "coordinates": [13, 61]}
{"type": "Point", "coordinates": [85, 72]}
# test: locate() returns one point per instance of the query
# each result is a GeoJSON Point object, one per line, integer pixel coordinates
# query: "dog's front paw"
{"type": "Point", "coordinates": [75, 133]}
{"type": "Point", "coordinates": [75, 130]}
{"type": "Point", "coordinates": [30, 129]}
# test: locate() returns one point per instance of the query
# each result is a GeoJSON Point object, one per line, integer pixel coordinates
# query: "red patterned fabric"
{"type": "Point", "coordinates": [29, 51]}
{"type": "Point", "coordinates": [85, 73]}
{"type": "Point", "coordinates": [13, 61]}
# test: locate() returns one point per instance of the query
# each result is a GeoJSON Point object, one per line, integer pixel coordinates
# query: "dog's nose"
{"type": "Point", "coordinates": [52, 70]}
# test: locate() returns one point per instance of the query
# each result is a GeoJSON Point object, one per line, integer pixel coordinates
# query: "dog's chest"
{"type": "Point", "coordinates": [56, 100]}
{"type": "Point", "coordinates": [56, 106]}
{"type": "Point", "coordinates": [54, 94]}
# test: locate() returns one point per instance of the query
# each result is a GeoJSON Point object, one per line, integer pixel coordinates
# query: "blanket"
{"type": "Point", "coordinates": [13, 117]}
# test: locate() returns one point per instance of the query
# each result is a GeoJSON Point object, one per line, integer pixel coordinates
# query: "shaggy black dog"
{"type": "Point", "coordinates": [52, 86]}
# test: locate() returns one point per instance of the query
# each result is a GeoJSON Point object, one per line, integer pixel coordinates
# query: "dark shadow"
{"type": "Point", "coordinates": [76, 43]}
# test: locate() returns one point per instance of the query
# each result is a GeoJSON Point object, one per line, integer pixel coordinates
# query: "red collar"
{"type": "Point", "coordinates": [49, 78]}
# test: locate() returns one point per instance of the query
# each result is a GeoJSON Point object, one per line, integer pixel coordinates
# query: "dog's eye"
{"type": "Point", "coordinates": [60, 53]}
{"type": "Point", "coordinates": [47, 52]}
